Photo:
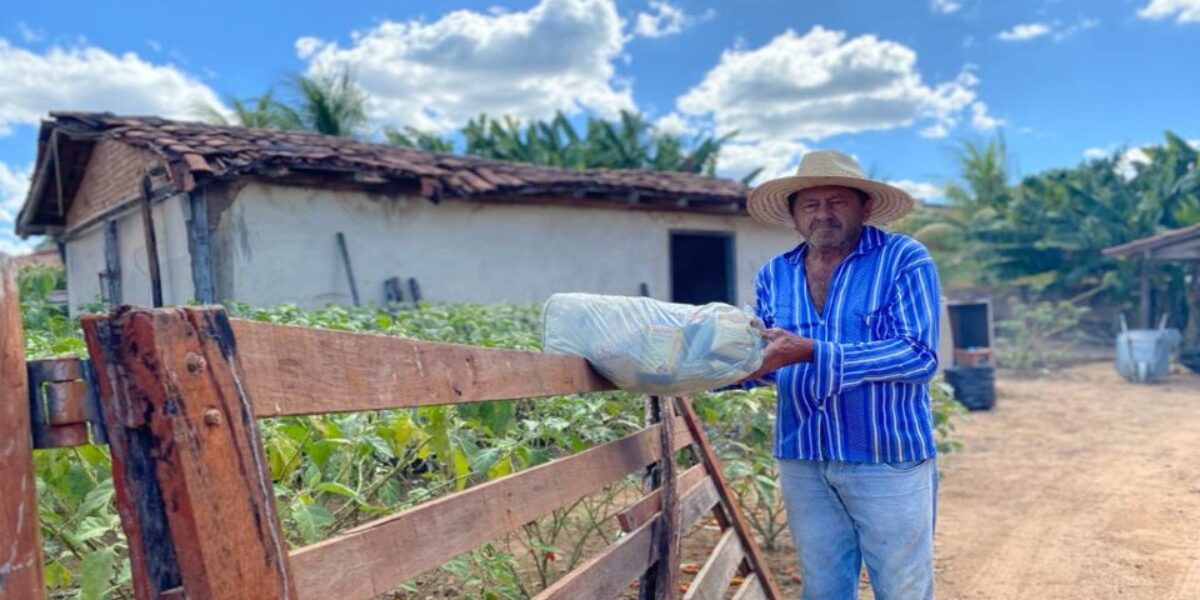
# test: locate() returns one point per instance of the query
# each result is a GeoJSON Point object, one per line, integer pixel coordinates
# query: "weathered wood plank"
{"type": "Point", "coordinates": [20, 536]}
{"type": "Point", "coordinates": [758, 563]}
{"type": "Point", "coordinates": [372, 559]}
{"type": "Point", "coordinates": [200, 247]}
{"type": "Point", "coordinates": [751, 589]}
{"type": "Point", "coordinates": [178, 373]}
{"type": "Point", "coordinates": [696, 498]}
{"type": "Point", "coordinates": [605, 575]}
{"type": "Point", "coordinates": [712, 581]}
{"type": "Point", "coordinates": [301, 370]}
{"type": "Point", "coordinates": [151, 243]}
{"type": "Point", "coordinates": [639, 512]}
{"type": "Point", "coordinates": [648, 582]}
{"type": "Point", "coordinates": [668, 537]}
{"type": "Point", "coordinates": [112, 263]}
{"type": "Point", "coordinates": [138, 497]}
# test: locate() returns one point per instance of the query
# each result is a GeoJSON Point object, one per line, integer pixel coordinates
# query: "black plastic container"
{"type": "Point", "coordinates": [974, 387]}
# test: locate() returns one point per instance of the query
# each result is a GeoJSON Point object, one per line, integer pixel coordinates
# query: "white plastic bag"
{"type": "Point", "coordinates": [652, 347]}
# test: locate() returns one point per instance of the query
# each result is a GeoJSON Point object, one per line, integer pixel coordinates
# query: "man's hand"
{"type": "Point", "coordinates": [783, 348]}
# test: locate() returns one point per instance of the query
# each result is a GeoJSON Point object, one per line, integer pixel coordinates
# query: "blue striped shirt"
{"type": "Point", "coordinates": [865, 395]}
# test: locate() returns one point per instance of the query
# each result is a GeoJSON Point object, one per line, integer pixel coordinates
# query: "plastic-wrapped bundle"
{"type": "Point", "coordinates": [652, 347]}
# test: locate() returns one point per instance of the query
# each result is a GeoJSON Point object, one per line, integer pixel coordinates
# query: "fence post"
{"type": "Point", "coordinates": [20, 536]}
{"type": "Point", "coordinates": [172, 394]}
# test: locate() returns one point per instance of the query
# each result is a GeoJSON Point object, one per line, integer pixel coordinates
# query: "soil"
{"type": "Point", "coordinates": [1077, 485]}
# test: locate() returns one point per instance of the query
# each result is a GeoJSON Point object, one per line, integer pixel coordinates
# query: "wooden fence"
{"type": "Point", "coordinates": [181, 391]}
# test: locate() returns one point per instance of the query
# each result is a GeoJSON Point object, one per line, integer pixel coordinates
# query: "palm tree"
{"type": "Point", "coordinates": [627, 143]}
{"type": "Point", "coordinates": [976, 203]}
{"type": "Point", "coordinates": [331, 104]}
{"type": "Point", "coordinates": [263, 112]}
{"type": "Point", "coordinates": [410, 137]}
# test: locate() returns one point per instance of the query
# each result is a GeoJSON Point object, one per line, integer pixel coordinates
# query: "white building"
{"type": "Point", "coordinates": [258, 216]}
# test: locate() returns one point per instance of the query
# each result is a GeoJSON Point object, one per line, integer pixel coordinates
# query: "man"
{"type": "Point", "coordinates": [851, 317]}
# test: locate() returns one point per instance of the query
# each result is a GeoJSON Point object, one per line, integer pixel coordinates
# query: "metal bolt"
{"type": "Point", "coordinates": [212, 417]}
{"type": "Point", "coordinates": [194, 362]}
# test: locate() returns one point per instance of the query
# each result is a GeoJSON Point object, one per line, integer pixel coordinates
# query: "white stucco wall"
{"type": "Point", "coordinates": [85, 258]}
{"type": "Point", "coordinates": [282, 247]}
{"type": "Point", "coordinates": [85, 261]}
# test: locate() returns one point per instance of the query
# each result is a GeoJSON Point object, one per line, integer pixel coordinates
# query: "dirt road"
{"type": "Point", "coordinates": [1079, 485]}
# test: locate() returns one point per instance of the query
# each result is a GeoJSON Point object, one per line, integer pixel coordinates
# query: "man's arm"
{"type": "Point", "coordinates": [762, 309]}
{"type": "Point", "coordinates": [907, 354]}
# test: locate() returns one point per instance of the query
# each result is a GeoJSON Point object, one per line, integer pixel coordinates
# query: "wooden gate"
{"type": "Point", "coordinates": [181, 390]}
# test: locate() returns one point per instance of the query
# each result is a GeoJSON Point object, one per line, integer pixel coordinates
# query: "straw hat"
{"type": "Point", "coordinates": [769, 202]}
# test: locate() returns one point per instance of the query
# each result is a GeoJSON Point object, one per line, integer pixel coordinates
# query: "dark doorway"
{"type": "Point", "coordinates": [702, 267]}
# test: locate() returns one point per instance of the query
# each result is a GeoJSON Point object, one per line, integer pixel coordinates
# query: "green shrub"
{"type": "Point", "coordinates": [1032, 339]}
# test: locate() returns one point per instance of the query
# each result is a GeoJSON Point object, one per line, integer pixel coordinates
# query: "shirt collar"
{"type": "Point", "coordinates": [871, 237]}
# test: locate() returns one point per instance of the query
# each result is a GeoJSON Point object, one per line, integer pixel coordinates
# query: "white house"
{"type": "Point", "coordinates": [266, 217]}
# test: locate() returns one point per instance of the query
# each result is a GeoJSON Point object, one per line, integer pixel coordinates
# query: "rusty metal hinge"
{"type": "Point", "coordinates": [64, 404]}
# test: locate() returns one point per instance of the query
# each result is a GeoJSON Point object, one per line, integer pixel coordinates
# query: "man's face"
{"type": "Point", "coordinates": [829, 216]}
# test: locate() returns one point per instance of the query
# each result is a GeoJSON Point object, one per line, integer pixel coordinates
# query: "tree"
{"type": "Point", "coordinates": [331, 104]}
{"type": "Point", "coordinates": [411, 137]}
{"type": "Point", "coordinates": [626, 143]}
{"type": "Point", "coordinates": [263, 112]}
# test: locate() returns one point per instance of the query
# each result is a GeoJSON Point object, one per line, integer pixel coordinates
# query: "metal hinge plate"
{"type": "Point", "coordinates": [64, 404]}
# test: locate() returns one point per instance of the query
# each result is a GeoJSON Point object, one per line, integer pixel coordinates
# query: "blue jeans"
{"type": "Point", "coordinates": [842, 514]}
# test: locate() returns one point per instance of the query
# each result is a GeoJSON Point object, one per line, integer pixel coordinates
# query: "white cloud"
{"type": "Point", "coordinates": [91, 79]}
{"type": "Point", "coordinates": [1127, 158]}
{"type": "Point", "coordinates": [29, 35]}
{"type": "Point", "coordinates": [921, 190]}
{"type": "Point", "coordinates": [557, 55]}
{"type": "Point", "coordinates": [776, 158]}
{"type": "Point", "coordinates": [1029, 31]}
{"type": "Point", "coordinates": [666, 20]}
{"type": "Point", "coordinates": [1023, 32]}
{"type": "Point", "coordinates": [945, 7]}
{"type": "Point", "coordinates": [981, 120]}
{"type": "Point", "coordinates": [13, 185]}
{"type": "Point", "coordinates": [821, 84]}
{"type": "Point", "coordinates": [673, 124]}
{"type": "Point", "coordinates": [1074, 28]}
{"type": "Point", "coordinates": [1184, 11]}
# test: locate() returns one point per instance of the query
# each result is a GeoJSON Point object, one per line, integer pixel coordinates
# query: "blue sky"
{"type": "Point", "coordinates": [897, 83]}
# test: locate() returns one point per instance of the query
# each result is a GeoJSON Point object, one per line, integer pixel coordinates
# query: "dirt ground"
{"type": "Point", "coordinates": [1077, 485]}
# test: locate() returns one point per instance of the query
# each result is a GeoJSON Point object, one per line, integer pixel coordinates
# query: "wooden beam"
{"type": "Point", "coordinates": [138, 497]}
{"type": "Point", "coordinates": [712, 582]}
{"type": "Point", "coordinates": [21, 549]}
{"type": "Point", "coordinates": [341, 240]}
{"type": "Point", "coordinates": [634, 515]}
{"type": "Point", "coordinates": [176, 380]}
{"type": "Point", "coordinates": [151, 243]}
{"type": "Point", "coordinates": [372, 559]}
{"type": "Point", "coordinates": [200, 247]}
{"type": "Point", "coordinates": [610, 572]}
{"type": "Point", "coordinates": [758, 562]}
{"type": "Point", "coordinates": [112, 263]}
{"type": "Point", "coordinates": [1146, 310]}
{"type": "Point", "coordinates": [301, 370]}
{"type": "Point", "coordinates": [751, 589]}
{"type": "Point", "coordinates": [694, 502]}
{"type": "Point", "coordinates": [668, 535]}
{"type": "Point", "coordinates": [651, 480]}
